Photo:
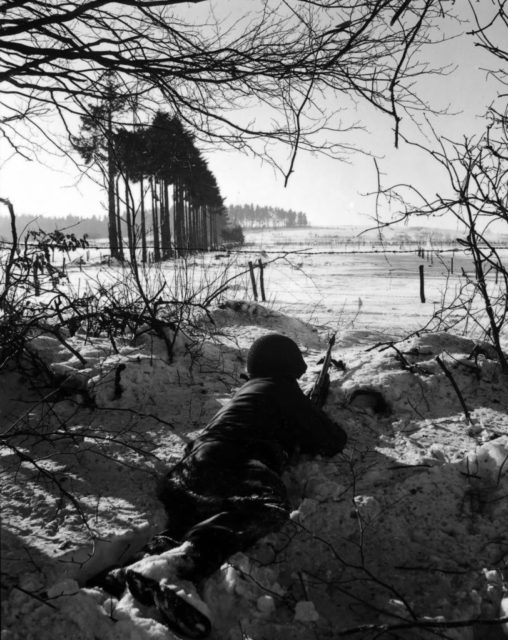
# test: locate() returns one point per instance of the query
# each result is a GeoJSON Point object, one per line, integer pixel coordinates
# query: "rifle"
{"type": "Point", "coordinates": [319, 391]}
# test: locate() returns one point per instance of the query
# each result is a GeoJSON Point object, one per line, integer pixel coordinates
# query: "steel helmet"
{"type": "Point", "coordinates": [275, 354]}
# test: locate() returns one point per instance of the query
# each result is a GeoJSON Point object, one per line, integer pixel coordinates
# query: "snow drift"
{"type": "Point", "coordinates": [406, 527]}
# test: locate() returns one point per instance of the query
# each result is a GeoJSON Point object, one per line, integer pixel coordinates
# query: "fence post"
{"type": "Point", "coordinates": [37, 284]}
{"type": "Point", "coordinates": [422, 284]}
{"type": "Point", "coordinates": [262, 280]}
{"type": "Point", "coordinates": [253, 280]}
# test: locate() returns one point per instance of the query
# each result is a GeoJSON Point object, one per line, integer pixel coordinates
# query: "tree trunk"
{"type": "Point", "coordinates": [177, 203]}
{"type": "Point", "coordinates": [200, 229]}
{"type": "Point", "coordinates": [206, 231]}
{"type": "Point", "coordinates": [121, 255]}
{"type": "Point", "coordinates": [130, 234]}
{"type": "Point", "coordinates": [143, 222]}
{"type": "Point", "coordinates": [191, 233]}
{"type": "Point", "coordinates": [213, 228]}
{"type": "Point", "coordinates": [168, 214]}
{"type": "Point", "coordinates": [189, 221]}
{"type": "Point", "coordinates": [165, 229]}
{"type": "Point", "coordinates": [112, 212]}
{"type": "Point", "coordinates": [155, 221]}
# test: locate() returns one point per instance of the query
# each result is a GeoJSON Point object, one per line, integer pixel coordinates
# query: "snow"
{"type": "Point", "coordinates": [410, 521]}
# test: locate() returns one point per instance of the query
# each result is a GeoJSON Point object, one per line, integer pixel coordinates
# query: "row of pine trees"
{"type": "Point", "coordinates": [162, 198]}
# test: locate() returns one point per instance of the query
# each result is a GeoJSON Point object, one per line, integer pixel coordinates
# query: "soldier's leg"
{"type": "Point", "coordinates": [258, 507]}
{"type": "Point", "coordinates": [168, 581]}
{"type": "Point", "coordinates": [213, 541]}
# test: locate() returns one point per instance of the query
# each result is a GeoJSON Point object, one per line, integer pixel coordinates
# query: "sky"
{"type": "Point", "coordinates": [329, 191]}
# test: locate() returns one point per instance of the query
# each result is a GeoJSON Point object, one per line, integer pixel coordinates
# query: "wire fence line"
{"type": "Point", "coordinates": [286, 248]}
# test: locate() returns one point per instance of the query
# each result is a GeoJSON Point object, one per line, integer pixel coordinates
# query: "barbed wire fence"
{"type": "Point", "coordinates": [249, 248]}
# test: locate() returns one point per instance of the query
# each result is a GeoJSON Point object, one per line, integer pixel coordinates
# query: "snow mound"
{"type": "Point", "coordinates": [409, 522]}
{"type": "Point", "coordinates": [413, 382]}
{"type": "Point", "coordinates": [82, 614]}
{"type": "Point", "coordinates": [237, 312]}
{"type": "Point", "coordinates": [135, 380]}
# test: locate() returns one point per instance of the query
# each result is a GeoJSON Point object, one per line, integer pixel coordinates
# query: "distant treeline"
{"type": "Point", "coordinates": [93, 227]}
{"type": "Point", "coordinates": [246, 215]}
{"type": "Point", "coordinates": [249, 216]}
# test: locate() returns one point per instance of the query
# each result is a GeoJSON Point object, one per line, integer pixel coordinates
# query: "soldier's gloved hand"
{"type": "Point", "coordinates": [320, 399]}
{"type": "Point", "coordinates": [308, 390]}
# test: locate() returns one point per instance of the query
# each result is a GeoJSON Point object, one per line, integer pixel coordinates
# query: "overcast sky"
{"type": "Point", "coordinates": [328, 191]}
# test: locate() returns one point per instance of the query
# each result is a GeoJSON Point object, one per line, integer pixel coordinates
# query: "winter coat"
{"type": "Point", "coordinates": [268, 421]}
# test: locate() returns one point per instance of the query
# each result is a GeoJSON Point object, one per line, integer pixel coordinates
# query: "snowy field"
{"type": "Point", "coordinates": [349, 283]}
{"type": "Point", "coordinates": [403, 535]}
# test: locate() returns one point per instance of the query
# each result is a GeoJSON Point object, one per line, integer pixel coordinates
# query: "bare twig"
{"type": "Point", "coordinates": [455, 386]}
{"type": "Point", "coordinates": [423, 624]}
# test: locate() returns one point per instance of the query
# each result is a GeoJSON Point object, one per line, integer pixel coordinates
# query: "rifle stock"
{"type": "Point", "coordinates": [320, 389]}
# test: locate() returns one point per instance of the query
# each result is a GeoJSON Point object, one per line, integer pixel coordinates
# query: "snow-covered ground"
{"type": "Point", "coordinates": [409, 523]}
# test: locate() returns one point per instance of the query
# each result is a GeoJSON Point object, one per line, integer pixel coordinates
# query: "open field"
{"type": "Point", "coordinates": [364, 289]}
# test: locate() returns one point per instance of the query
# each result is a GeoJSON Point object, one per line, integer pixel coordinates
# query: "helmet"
{"type": "Point", "coordinates": [275, 354]}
